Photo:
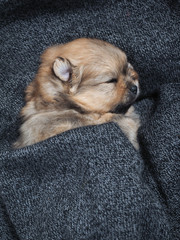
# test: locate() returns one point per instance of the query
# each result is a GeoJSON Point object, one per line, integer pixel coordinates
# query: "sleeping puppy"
{"type": "Point", "coordinates": [84, 82]}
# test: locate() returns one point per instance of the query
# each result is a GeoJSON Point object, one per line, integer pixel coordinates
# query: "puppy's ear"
{"type": "Point", "coordinates": [66, 71]}
{"type": "Point", "coordinates": [62, 69]}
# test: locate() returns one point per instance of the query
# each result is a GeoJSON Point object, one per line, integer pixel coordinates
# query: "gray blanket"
{"type": "Point", "coordinates": [90, 183]}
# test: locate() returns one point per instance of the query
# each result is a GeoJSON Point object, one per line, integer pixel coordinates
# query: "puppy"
{"type": "Point", "coordinates": [84, 82]}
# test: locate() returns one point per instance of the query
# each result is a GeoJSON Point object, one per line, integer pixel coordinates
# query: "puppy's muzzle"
{"type": "Point", "coordinates": [133, 92]}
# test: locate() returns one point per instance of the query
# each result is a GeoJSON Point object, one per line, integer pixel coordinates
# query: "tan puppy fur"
{"type": "Point", "coordinates": [84, 82]}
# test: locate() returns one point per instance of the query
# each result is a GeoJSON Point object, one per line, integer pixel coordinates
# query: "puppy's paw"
{"type": "Point", "coordinates": [62, 68]}
{"type": "Point", "coordinates": [131, 113]}
{"type": "Point", "coordinates": [129, 123]}
{"type": "Point", "coordinates": [130, 129]}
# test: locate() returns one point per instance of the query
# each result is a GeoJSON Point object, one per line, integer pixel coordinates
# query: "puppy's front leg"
{"type": "Point", "coordinates": [107, 117]}
{"type": "Point", "coordinates": [129, 123]}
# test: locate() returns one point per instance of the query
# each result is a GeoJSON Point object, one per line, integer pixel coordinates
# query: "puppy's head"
{"type": "Point", "coordinates": [93, 74]}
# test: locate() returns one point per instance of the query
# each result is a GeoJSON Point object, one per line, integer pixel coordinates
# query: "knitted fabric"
{"type": "Point", "coordinates": [90, 183]}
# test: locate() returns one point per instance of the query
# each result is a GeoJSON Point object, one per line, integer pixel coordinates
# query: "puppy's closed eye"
{"type": "Point", "coordinates": [113, 80]}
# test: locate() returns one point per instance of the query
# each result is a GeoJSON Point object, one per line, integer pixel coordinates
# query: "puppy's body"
{"type": "Point", "coordinates": [78, 84]}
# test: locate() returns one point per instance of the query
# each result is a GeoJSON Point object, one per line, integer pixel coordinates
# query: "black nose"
{"type": "Point", "coordinates": [133, 89]}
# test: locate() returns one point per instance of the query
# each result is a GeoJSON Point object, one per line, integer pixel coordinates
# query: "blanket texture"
{"type": "Point", "coordinates": [90, 183]}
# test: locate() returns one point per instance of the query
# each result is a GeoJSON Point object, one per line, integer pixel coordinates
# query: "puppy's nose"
{"type": "Point", "coordinates": [133, 89]}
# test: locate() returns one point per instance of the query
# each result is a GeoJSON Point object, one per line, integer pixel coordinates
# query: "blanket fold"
{"type": "Point", "coordinates": [90, 183]}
